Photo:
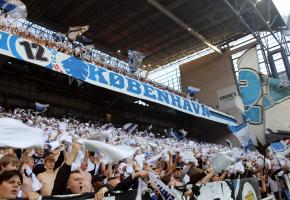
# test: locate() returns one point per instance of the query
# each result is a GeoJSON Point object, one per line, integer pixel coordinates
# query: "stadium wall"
{"type": "Point", "coordinates": [214, 75]}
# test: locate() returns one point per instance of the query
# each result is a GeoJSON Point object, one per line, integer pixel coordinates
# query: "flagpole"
{"type": "Point", "coordinates": [263, 121]}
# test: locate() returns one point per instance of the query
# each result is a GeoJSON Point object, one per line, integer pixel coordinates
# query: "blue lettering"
{"type": "Point", "coordinates": [162, 96]}
{"type": "Point", "coordinates": [186, 105]}
{"type": "Point", "coordinates": [149, 91]}
{"type": "Point", "coordinates": [205, 111]}
{"type": "Point", "coordinates": [13, 47]}
{"type": "Point", "coordinates": [250, 86]}
{"type": "Point", "coordinates": [116, 80]}
{"type": "Point", "coordinates": [133, 86]}
{"type": "Point", "coordinates": [267, 103]}
{"type": "Point", "coordinates": [195, 107]}
{"type": "Point", "coordinates": [96, 74]}
{"type": "Point", "coordinates": [3, 41]}
{"type": "Point", "coordinates": [279, 90]}
{"type": "Point", "coordinates": [76, 68]}
{"type": "Point", "coordinates": [165, 194]}
{"type": "Point", "coordinates": [175, 100]}
{"type": "Point", "coordinates": [251, 91]}
{"type": "Point", "coordinates": [253, 114]}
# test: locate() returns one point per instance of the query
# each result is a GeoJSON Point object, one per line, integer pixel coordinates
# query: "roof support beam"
{"type": "Point", "coordinates": [264, 22]}
{"type": "Point", "coordinates": [183, 25]}
{"type": "Point", "coordinates": [257, 36]}
{"type": "Point", "coordinates": [229, 5]}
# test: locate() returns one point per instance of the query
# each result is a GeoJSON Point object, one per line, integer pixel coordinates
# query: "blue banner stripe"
{"type": "Point", "coordinates": [221, 116]}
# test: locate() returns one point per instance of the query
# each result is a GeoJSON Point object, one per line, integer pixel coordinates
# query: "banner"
{"type": "Point", "coordinates": [164, 190]}
{"type": "Point", "coordinates": [251, 92]}
{"type": "Point", "coordinates": [266, 100]}
{"type": "Point", "coordinates": [239, 189]}
{"type": "Point", "coordinates": [216, 190]}
{"type": "Point", "coordinates": [226, 97]}
{"type": "Point", "coordinates": [247, 188]}
{"type": "Point", "coordinates": [13, 46]}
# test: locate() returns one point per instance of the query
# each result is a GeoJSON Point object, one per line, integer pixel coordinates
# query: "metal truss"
{"type": "Point", "coordinates": [260, 24]}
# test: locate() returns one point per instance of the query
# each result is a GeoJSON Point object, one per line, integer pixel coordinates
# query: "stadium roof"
{"type": "Point", "coordinates": [164, 30]}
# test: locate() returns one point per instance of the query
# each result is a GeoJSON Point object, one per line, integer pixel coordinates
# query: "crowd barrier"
{"type": "Point", "coordinates": [239, 189]}
{"type": "Point", "coordinates": [118, 196]}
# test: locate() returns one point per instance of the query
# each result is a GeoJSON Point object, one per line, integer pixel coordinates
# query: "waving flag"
{"type": "Point", "coordinates": [41, 108]}
{"type": "Point", "coordinates": [135, 59]}
{"type": "Point", "coordinates": [14, 9]}
{"type": "Point", "coordinates": [192, 90]}
{"type": "Point", "coordinates": [281, 148]}
{"type": "Point", "coordinates": [18, 135]}
{"type": "Point", "coordinates": [113, 153]}
{"type": "Point", "coordinates": [130, 127]}
{"type": "Point", "coordinates": [178, 135]}
{"type": "Point", "coordinates": [242, 133]}
{"type": "Point", "coordinates": [165, 192]}
{"type": "Point", "coordinates": [74, 31]}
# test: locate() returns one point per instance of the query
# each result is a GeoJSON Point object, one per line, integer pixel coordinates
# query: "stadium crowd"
{"type": "Point", "coordinates": [64, 166]}
{"type": "Point", "coordinates": [75, 49]}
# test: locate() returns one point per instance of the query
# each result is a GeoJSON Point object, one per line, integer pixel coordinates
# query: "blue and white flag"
{"type": "Point", "coordinates": [242, 133]}
{"type": "Point", "coordinates": [59, 37]}
{"type": "Point", "coordinates": [251, 93]}
{"type": "Point", "coordinates": [267, 100]}
{"type": "Point", "coordinates": [135, 59]}
{"type": "Point", "coordinates": [174, 134]}
{"type": "Point", "coordinates": [192, 90]}
{"type": "Point", "coordinates": [14, 9]}
{"type": "Point", "coordinates": [130, 127]}
{"type": "Point", "coordinates": [165, 192]}
{"type": "Point", "coordinates": [126, 126]}
{"type": "Point", "coordinates": [40, 108]}
{"type": "Point", "coordinates": [281, 148]}
{"type": "Point", "coordinates": [229, 143]}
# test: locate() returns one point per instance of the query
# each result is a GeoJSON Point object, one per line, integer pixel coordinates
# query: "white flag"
{"type": "Point", "coordinates": [74, 31]}
{"type": "Point", "coordinates": [13, 133]}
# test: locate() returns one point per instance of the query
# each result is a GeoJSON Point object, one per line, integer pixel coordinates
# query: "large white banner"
{"type": "Point", "coordinates": [267, 100]}
{"type": "Point", "coordinates": [22, 49]}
